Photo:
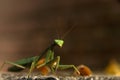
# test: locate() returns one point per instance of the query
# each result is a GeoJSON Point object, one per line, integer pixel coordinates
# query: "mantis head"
{"type": "Point", "coordinates": [59, 42]}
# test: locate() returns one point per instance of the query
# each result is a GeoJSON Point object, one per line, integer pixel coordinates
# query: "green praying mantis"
{"type": "Point", "coordinates": [46, 62]}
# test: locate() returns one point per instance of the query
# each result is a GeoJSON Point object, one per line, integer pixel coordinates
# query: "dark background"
{"type": "Point", "coordinates": [27, 27]}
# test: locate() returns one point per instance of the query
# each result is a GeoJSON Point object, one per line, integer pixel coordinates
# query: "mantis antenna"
{"type": "Point", "coordinates": [68, 31]}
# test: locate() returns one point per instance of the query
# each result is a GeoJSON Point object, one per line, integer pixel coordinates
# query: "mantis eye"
{"type": "Point", "coordinates": [59, 42]}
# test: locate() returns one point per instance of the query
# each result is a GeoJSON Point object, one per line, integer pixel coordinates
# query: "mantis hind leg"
{"type": "Point", "coordinates": [55, 64]}
{"type": "Point", "coordinates": [68, 66]}
{"type": "Point", "coordinates": [64, 66]}
{"type": "Point", "coordinates": [12, 63]}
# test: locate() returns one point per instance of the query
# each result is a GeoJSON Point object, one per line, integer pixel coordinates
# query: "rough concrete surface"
{"type": "Point", "coordinates": [23, 76]}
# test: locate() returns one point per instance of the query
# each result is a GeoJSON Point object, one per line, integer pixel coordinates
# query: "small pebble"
{"type": "Point", "coordinates": [49, 78]}
{"type": "Point", "coordinates": [25, 78]}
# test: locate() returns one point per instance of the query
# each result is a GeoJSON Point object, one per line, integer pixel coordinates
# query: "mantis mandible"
{"type": "Point", "coordinates": [46, 62]}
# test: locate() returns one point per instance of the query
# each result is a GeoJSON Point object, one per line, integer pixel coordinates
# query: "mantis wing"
{"type": "Point", "coordinates": [23, 62]}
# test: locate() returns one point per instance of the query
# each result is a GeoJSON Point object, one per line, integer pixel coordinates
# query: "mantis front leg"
{"type": "Point", "coordinates": [44, 61]}
{"type": "Point", "coordinates": [41, 62]}
{"type": "Point", "coordinates": [31, 68]}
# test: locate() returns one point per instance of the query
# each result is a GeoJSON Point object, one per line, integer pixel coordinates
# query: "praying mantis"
{"type": "Point", "coordinates": [46, 62]}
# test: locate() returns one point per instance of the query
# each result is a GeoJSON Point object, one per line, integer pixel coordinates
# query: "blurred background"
{"type": "Point", "coordinates": [28, 27]}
